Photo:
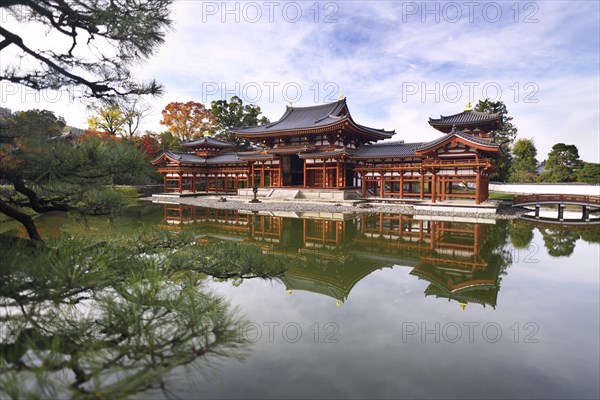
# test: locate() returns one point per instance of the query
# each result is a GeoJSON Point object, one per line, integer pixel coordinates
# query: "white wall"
{"type": "Point", "coordinates": [545, 188]}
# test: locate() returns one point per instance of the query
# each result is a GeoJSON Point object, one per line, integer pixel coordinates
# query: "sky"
{"type": "Point", "coordinates": [398, 63]}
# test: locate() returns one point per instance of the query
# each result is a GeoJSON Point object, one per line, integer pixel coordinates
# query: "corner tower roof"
{"type": "Point", "coordinates": [468, 119]}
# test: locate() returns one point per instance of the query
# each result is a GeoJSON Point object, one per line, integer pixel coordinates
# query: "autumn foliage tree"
{"type": "Point", "coordinates": [108, 118]}
{"type": "Point", "coordinates": [149, 143]}
{"type": "Point", "coordinates": [119, 119]}
{"type": "Point", "coordinates": [189, 120]}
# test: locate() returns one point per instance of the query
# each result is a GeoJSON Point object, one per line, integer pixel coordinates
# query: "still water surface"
{"type": "Point", "coordinates": [388, 306]}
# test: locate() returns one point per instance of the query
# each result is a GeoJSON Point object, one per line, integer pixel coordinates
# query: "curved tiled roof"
{"type": "Point", "coordinates": [207, 141]}
{"type": "Point", "coordinates": [182, 157]}
{"type": "Point", "coordinates": [225, 158]}
{"type": "Point", "coordinates": [387, 150]}
{"type": "Point", "coordinates": [190, 158]}
{"type": "Point", "coordinates": [465, 117]}
{"type": "Point", "coordinates": [466, 136]}
{"type": "Point", "coordinates": [313, 117]}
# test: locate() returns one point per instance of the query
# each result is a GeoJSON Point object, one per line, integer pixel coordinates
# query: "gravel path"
{"type": "Point", "coordinates": [238, 203]}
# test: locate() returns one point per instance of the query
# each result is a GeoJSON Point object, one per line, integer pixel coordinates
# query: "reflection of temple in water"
{"type": "Point", "coordinates": [338, 250]}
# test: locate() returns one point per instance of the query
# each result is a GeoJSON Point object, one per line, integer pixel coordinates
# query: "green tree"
{"type": "Point", "coordinates": [563, 164]}
{"type": "Point", "coordinates": [47, 173]}
{"type": "Point", "coordinates": [504, 136]}
{"type": "Point", "coordinates": [235, 114]}
{"type": "Point", "coordinates": [168, 141]}
{"type": "Point", "coordinates": [105, 39]}
{"type": "Point", "coordinates": [40, 122]}
{"type": "Point", "coordinates": [524, 163]}
{"type": "Point", "coordinates": [589, 173]}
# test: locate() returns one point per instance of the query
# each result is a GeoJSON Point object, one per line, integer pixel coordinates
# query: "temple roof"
{"type": "Point", "coordinates": [180, 156]}
{"type": "Point", "coordinates": [225, 158]}
{"type": "Point", "coordinates": [320, 116]}
{"type": "Point", "coordinates": [190, 158]}
{"type": "Point", "coordinates": [477, 141]}
{"type": "Point", "coordinates": [387, 150]}
{"type": "Point", "coordinates": [467, 118]}
{"type": "Point", "coordinates": [207, 141]}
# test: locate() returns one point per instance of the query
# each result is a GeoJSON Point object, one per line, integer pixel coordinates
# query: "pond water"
{"type": "Point", "coordinates": [391, 306]}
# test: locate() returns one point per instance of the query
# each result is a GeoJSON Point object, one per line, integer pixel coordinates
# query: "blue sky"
{"type": "Point", "coordinates": [398, 63]}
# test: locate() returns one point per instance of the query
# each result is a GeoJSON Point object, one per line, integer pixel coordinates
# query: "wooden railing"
{"type": "Point", "coordinates": [483, 162]}
{"type": "Point", "coordinates": [557, 198]}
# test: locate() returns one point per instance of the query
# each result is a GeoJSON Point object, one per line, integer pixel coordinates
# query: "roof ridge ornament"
{"type": "Point", "coordinates": [453, 129]}
{"type": "Point", "coordinates": [341, 96]}
{"type": "Point", "coordinates": [468, 107]}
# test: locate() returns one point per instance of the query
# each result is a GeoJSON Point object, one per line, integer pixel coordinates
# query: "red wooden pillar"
{"type": "Point", "coordinates": [363, 184]}
{"type": "Point", "coordinates": [433, 187]}
{"type": "Point", "coordinates": [401, 184]}
{"type": "Point", "coordinates": [304, 166]}
{"type": "Point", "coordinates": [422, 184]}
{"type": "Point", "coordinates": [478, 187]}
{"type": "Point", "coordinates": [179, 180]}
{"type": "Point", "coordinates": [381, 184]}
{"type": "Point", "coordinates": [443, 188]}
{"type": "Point", "coordinates": [280, 178]}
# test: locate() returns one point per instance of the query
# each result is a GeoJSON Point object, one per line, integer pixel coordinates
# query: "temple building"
{"type": "Point", "coordinates": [212, 166]}
{"type": "Point", "coordinates": [322, 147]}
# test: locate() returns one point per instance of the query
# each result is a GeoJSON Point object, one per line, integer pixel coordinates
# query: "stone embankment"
{"type": "Point", "coordinates": [238, 203]}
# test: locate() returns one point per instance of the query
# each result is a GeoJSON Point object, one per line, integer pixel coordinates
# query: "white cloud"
{"type": "Point", "coordinates": [374, 53]}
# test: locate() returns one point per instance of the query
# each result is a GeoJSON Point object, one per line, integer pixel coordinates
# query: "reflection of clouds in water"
{"type": "Point", "coordinates": [544, 213]}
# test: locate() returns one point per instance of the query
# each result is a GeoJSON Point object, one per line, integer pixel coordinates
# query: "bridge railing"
{"type": "Point", "coordinates": [557, 198]}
